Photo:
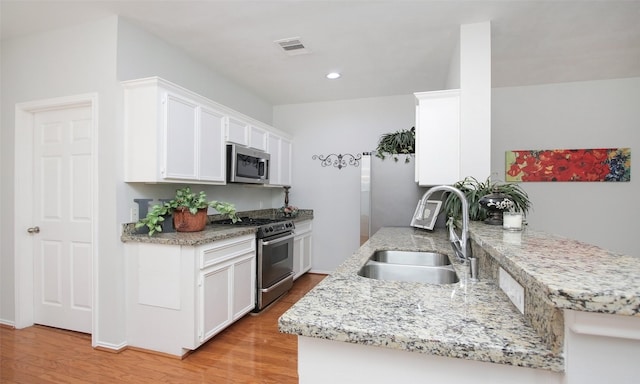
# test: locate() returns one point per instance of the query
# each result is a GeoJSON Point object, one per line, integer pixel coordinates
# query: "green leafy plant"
{"type": "Point", "coordinates": [397, 143]}
{"type": "Point", "coordinates": [184, 198]}
{"type": "Point", "coordinates": [474, 190]}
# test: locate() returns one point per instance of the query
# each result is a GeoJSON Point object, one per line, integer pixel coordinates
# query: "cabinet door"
{"type": "Point", "coordinates": [237, 132]}
{"type": "Point", "coordinates": [285, 161]}
{"type": "Point", "coordinates": [298, 249]}
{"type": "Point", "coordinates": [244, 285]}
{"type": "Point", "coordinates": [212, 158]}
{"type": "Point", "coordinates": [180, 136]}
{"type": "Point", "coordinates": [307, 252]}
{"type": "Point", "coordinates": [274, 165]}
{"type": "Point", "coordinates": [257, 138]}
{"type": "Point", "coordinates": [280, 166]}
{"type": "Point", "coordinates": [302, 248]}
{"type": "Point", "coordinates": [438, 137]}
{"type": "Point", "coordinates": [215, 301]}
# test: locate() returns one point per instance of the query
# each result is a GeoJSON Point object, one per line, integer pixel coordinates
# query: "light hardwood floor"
{"type": "Point", "coordinates": [250, 351]}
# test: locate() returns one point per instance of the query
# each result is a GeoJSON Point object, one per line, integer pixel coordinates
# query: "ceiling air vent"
{"type": "Point", "coordinates": [292, 46]}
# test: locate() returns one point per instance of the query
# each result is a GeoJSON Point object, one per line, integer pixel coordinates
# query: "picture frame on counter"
{"type": "Point", "coordinates": [426, 214]}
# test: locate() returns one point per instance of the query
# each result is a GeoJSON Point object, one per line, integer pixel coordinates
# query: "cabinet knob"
{"type": "Point", "coordinates": [33, 230]}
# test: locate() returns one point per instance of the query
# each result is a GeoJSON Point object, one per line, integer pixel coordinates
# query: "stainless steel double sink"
{"type": "Point", "coordinates": [415, 266]}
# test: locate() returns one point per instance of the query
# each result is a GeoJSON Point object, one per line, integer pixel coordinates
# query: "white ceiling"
{"type": "Point", "coordinates": [382, 48]}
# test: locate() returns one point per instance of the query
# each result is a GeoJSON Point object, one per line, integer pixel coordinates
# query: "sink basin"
{"type": "Point", "coordinates": [433, 259]}
{"type": "Point", "coordinates": [414, 273]}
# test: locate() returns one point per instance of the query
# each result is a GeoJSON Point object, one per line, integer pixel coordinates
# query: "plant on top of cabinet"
{"type": "Point", "coordinates": [474, 190]}
{"type": "Point", "coordinates": [397, 143]}
{"type": "Point", "coordinates": [189, 211]}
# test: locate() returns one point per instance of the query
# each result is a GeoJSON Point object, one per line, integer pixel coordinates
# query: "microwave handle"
{"type": "Point", "coordinates": [264, 163]}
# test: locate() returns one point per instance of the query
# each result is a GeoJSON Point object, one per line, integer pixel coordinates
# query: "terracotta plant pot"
{"type": "Point", "coordinates": [185, 221]}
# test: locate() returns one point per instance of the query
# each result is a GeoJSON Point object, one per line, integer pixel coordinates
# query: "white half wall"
{"type": "Point", "coordinates": [592, 114]}
{"type": "Point", "coordinates": [339, 127]}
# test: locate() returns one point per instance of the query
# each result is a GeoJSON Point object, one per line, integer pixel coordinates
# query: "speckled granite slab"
{"type": "Point", "coordinates": [211, 233]}
{"type": "Point", "coordinates": [470, 320]}
{"type": "Point", "coordinates": [570, 274]}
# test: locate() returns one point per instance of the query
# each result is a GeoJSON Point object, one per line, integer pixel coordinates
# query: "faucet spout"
{"type": "Point", "coordinates": [459, 243]}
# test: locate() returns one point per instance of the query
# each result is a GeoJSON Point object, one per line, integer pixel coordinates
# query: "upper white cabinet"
{"type": "Point", "coordinates": [438, 156]}
{"type": "Point", "coordinates": [453, 127]}
{"type": "Point", "coordinates": [243, 133]}
{"type": "Point", "coordinates": [238, 132]}
{"type": "Point", "coordinates": [280, 149]}
{"type": "Point", "coordinates": [257, 138]}
{"type": "Point", "coordinates": [171, 135]}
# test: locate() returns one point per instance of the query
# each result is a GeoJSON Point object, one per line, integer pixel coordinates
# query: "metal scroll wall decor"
{"type": "Point", "coordinates": [339, 161]}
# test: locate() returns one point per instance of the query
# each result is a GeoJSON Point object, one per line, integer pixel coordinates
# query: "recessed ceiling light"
{"type": "Point", "coordinates": [333, 75]}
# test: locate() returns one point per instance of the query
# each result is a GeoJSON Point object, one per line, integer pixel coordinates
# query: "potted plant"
{"type": "Point", "coordinates": [189, 210]}
{"type": "Point", "coordinates": [396, 143]}
{"type": "Point", "coordinates": [474, 190]}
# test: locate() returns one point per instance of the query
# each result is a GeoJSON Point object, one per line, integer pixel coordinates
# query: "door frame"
{"type": "Point", "coordinates": [23, 198]}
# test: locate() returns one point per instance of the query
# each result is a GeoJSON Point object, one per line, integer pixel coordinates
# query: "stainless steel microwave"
{"type": "Point", "coordinates": [247, 165]}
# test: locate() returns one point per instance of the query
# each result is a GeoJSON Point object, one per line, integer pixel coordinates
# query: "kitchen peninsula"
{"type": "Point", "coordinates": [581, 320]}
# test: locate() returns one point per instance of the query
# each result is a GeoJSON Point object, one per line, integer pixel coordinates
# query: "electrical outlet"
{"type": "Point", "coordinates": [135, 215]}
{"type": "Point", "coordinates": [512, 288]}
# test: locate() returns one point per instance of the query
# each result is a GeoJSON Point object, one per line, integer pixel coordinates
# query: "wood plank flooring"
{"type": "Point", "coordinates": [249, 351]}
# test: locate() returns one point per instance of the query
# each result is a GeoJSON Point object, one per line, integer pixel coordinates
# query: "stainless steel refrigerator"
{"type": "Point", "coordinates": [389, 194]}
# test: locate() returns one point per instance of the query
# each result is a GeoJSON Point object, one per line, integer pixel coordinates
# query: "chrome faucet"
{"type": "Point", "coordinates": [460, 244]}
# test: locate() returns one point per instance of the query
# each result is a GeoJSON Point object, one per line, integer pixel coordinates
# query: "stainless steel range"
{"type": "Point", "coordinates": [274, 240]}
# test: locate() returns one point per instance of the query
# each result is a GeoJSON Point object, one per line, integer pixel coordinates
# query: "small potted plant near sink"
{"type": "Point", "coordinates": [189, 210]}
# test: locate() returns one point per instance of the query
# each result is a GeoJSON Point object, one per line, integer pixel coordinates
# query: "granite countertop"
{"type": "Point", "coordinates": [470, 319]}
{"type": "Point", "coordinates": [571, 274]}
{"type": "Point", "coordinates": [211, 233]}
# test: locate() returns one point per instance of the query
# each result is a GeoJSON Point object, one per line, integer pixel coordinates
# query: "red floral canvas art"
{"type": "Point", "coordinates": [600, 164]}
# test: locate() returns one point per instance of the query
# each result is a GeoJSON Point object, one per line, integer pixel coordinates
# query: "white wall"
{"type": "Point", "coordinates": [573, 115]}
{"type": "Point", "coordinates": [593, 114]}
{"type": "Point", "coordinates": [349, 126]}
{"type": "Point", "coordinates": [141, 54]}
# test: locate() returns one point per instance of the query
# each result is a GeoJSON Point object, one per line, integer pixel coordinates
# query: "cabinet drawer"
{"type": "Point", "coordinates": [227, 249]}
{"type": "Point", "coordinates": [303, 226]}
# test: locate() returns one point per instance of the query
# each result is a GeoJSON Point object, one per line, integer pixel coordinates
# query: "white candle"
{"type": "Point", "coordinates": [512, 221]}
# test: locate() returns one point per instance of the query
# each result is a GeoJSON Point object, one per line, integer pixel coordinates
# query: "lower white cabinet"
{"type": "Point", "coordinates": [302, 248]}
{"type": "Point", "coordinates": [181, 296]}
{"type": "Point", "coordinates": [225, 295]}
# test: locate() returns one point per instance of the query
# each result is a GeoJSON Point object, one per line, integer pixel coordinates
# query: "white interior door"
{"type": "Point", "coordinates": [62, 218]}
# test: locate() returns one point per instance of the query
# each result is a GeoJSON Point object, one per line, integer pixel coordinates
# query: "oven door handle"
{"type": "Point", "coordinates": [278, 240]}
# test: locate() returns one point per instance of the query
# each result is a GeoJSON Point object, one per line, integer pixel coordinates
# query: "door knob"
{"type": "Point", "coordinates": [33, 230]}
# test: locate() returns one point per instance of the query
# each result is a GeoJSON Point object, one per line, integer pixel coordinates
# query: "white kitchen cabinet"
{"type": "Point", "coordinates": [302, 248]}
{"type": "Point", "coordinates": [280, 149]}
{"type": "Point", "coordinates": [227, 292]}
{"type": "Point", "coordinates": [257, 138]}
{"type": "Point", "coordinates": [181, 296]}
{"type": "Point", "coordinates": [171, 135]}
{"type": "Point", "coordinates": [243, 133]}
{"type": "Point", "coordinates": [440, 137]}
{"type": "Point", "coordinates": [237, 132]}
